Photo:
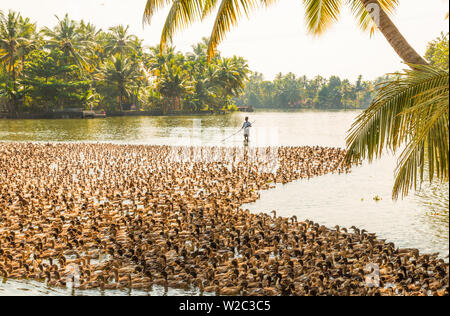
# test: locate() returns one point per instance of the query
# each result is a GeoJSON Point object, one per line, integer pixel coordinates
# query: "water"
{"type": "Point", "coordinates": [270, 128]}
{"type": "Point", "coordinates": [419, 221]}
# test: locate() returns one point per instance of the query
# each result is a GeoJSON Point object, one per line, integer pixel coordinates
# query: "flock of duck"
{"type": "Point", "coordinates": [114, 216]}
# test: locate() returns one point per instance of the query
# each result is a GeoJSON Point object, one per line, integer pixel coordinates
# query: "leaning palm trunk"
{"type": "Point", "coordinates": [392, 34]}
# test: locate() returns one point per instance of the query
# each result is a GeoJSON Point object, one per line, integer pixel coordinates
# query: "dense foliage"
{"type": "Point", "coordinates": [437, 52]}
{"type": "Point", "coordinates": [76, 65]}
{"type": "Point", "coordinates": [289, 91]}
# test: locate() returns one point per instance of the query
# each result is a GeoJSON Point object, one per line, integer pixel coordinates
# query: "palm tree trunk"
{"type": "Point", "coordinates": [392, 34]}
{"type": "Point", "coordinates": [12, 77]}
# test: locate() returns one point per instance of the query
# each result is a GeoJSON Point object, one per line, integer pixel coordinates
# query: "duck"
{"type": "Point", "coordinates": [134, 216]}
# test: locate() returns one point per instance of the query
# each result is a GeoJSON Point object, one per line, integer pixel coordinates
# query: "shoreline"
{"type": "Point", "coordinates": [81, 115]}
{"type": "Point", "coordinates": [78, 115]}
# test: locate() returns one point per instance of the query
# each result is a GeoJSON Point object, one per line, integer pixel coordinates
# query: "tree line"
{"type": "Point", "coordinates": [77, 65]}
{"type": "Point", "coordinates": [289, 91]}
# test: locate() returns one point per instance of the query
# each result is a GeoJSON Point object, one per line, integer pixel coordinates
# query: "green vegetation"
{"type": "Point", "coordinates": [437, 52]}
{"type": "Point", "coordinates": [289, 91]}
{"type": "Point", "coordinates": [76, 65]}
{"type": "Point", "coordinates": [48, 81]}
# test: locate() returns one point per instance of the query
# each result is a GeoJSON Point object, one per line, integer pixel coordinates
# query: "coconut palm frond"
{"type": "Point", "coordinates": [362, 16]}
{"type": "Point", "coordinates": [411, 110]}
{"type": "Point", "coordinates": [229, 14]}
{"type": "Point", "coordinates": [428, 150]}
{"type": "Point", "coordinates": [3, 54]}
{"type": "Point", "coordinates": [429, 137]}
{"type": "Point", "coordinates": [320, 15]}
{"type": "Point", "coordinates": [151, 7]}
{"type": "Point", "coordinates": [267, 3]}
{"type": "Point", "coordinates": [181, 14]}
{"type": "Point", "coordinates": [209, 7]}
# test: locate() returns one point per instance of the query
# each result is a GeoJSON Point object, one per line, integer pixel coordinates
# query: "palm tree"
{"type": "Point", "coordinates": [348, 93]}
{"type": "Point", "coordinates": [158, 58]}
{"type": "Point", "coordinates": [230, 75]}
{"type": "Point", "coordinates": [120, 42]}
{"type": "Point", "coordinates": [122, 73]}
{"type": "Point", "coordinates": [17, 39]}
{"type": "Point", "coordinates": [173, 84]}
{"type": "Point", "coordinates": [320, 15]}
{"type": "Point", "coordinates": [92, 48]}
{"type": "Point", "coordinates": [67, 37]}
{"type": "Point", "coordinates": [411, 110]}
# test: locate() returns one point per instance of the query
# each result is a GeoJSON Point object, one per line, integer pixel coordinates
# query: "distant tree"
{"type": "Point", "coordinates": [66, 37]}
{"type": "Point", "coordinates": [119, 41]}
{"type": "Point", "coordinates": [289, 91]}
{"type": "Point", "coordinates": [120, 73]}
{"type": "Point", "coordinates": [53, 84]}
{"type": "Point", "coordinates": [438, 52]}
{"type": "Point", "coordinates": [17, 39]}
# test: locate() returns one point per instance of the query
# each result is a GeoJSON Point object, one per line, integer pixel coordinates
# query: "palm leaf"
{"type": "Point", "coordinates": [411, 110]}
{"type": "Point", "coordinates": [321, 14]}
{"type": "Point", "coordinates": [209, 7]}
{"type": "Point", "coordinates": [362, 16]}
{"type": "Point", "coordinates": [181, 14]}
{"type": "Point", "coordinates": [151, 7]}
{"type": "Point", "coordinates": [229, 14]}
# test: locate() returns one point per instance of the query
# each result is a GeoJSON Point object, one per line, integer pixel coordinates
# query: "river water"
{"type": "Point", "coordinates": [419, 221]}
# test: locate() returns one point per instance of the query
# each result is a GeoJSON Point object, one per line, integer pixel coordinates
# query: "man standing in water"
{"type": "Point", "coordinates": [246, 128]}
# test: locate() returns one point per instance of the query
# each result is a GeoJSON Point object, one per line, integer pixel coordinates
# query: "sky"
{"type": "Point", "coordinates": [272, 40]}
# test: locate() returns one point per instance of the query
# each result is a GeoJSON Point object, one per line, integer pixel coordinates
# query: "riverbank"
{"type": "Point", "coordinates": [138, 216]}
{"type": "Point", "coordinates": [101, 114]}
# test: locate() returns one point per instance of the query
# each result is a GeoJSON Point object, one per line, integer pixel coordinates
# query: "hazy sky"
{"type": "Point", "coordinates": [273, 40]}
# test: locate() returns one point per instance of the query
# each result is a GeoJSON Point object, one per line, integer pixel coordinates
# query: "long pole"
{"type": "Point", "coordinates": [236, 132]}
